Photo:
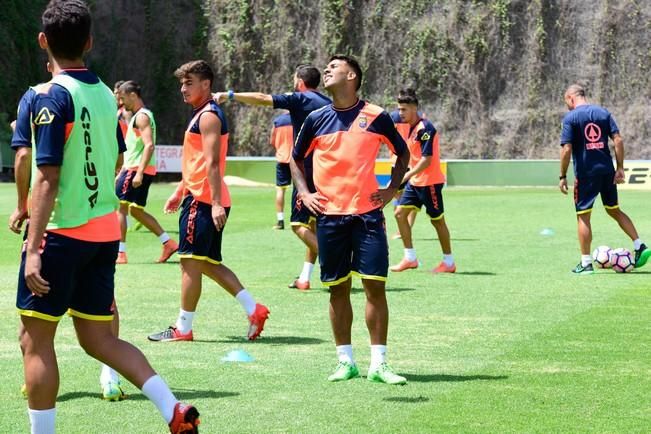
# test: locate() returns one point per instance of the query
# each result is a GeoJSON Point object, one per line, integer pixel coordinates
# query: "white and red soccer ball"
{"type": "Point", "coordinates": [621, 260]}
{"type": "Point", "coordinates": [601, 257]}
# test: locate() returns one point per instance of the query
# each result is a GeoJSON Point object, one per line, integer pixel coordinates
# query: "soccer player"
{"type": "Point", "coordinates": [345, 138]}
{"type": "Point", "coordinates": [138, 171]}
{"type": "Point", "coordinates": [123, 114]}
{"type": "Point", "coordinates": [21, 142]}
{"type": "Point", "coordinates": [205, 201]}
{"type": "Point", "coordinates": [424, 185]}
{"type": "Point", "coordinates": [584, 138]}
{"type": "Point", "coordinates": [300, 103]}
{"type": "Point", "coordinates": [403, 129]}
{"type": "Point", "coordinates": [68, 263]}
{"type": "Point", "coordinates": [282, 138]}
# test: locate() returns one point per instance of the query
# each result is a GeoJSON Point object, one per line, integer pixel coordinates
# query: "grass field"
{"type": "Point", "coordinates": [511, 343]}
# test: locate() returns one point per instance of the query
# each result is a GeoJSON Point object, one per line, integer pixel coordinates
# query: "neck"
{"type": "Point", "coordinates": [58, 65]}
{"type": "Point", "coordinates": [201, 101]}
{"type": "Point", "coordinates": [344, 100]}
{"type": "Point", "coordinates": [414, 121]}
{"type": "Point", "coordinates": [137, 106]}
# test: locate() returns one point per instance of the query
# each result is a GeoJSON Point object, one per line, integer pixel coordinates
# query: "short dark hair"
{"type": "Point", "coordinates": [197, 67]}
{"type": "Point", "coordinates": [310, 75]}
{"type": "Point", "coordinates": [117, 85]}
{"type": "Point", "coordinates": [353, 64]}
{"type": "Point", "coordinates": [66, 24]}
{"type": "Point", "coordinates": [576, 89]}
{"type": "Point", "coordinates": [407, 96]}
{"type": "Point", "coordinates": [129, 87]}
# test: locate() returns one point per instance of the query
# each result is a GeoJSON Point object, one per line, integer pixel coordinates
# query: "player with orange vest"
{"type": "Point", "coordinates": [282, 139]}
{"type": "Point", "coordinates": [425, 182]}
{"type": "Point", "coordinates": [344, 138]}
{"type": "Point", "coordinates": [205, 201]}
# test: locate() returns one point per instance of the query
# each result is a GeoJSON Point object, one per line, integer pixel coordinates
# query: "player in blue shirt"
{"type": "Point", "coordinates": [68, 262]}
{"type": "Point", "coordinates": [300, 103]}
{"type": "Point", "coordinates": [584, 138]}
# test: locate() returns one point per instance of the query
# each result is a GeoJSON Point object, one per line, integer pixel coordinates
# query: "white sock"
{"type": "Point", "coordinates": [586, 260]}
{"type": "Point", "coordinates": [164, 237]}
{"type": "Point", "coordinates": [42, 421]}
{"type": "Point", "coordinates": [307, 272]}
{"type": "Point", "coordinates": [448, 260]}
{"type": "Point", "coordinates": [247, 301]}
{"type": "Point", "coordinates": [157, 391]}
{"type": "Point", "coordinates": [184, 321]}
{"type": "Point", "coordinates": [410, 254]}
{"type": "Point", "coordinates": [280, 216]}
{"type": "Point", "coordinates": [345, 353]}
{"type": "Point", "coordinates": [107, 375]}
{"type": "Point", "coordinates": [123, 247]}
{"type": "Point", "coordinates": [637, 244]}
{"type": "Point", "coordinates": [378, 355]}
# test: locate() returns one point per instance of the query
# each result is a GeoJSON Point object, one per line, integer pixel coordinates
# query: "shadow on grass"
{"type": "Point", "coordinates": [443, 378]}
{"type": "Point", "coordinates": [388, 289]}
{"type": "Point", "coordinates": [181, 394]}
{"type": "Point", "coordinates": [452, 239]}
{"type": "Point", "coordinates": [476, 273]}
{"type": "Point", "coordinates": [270, 340]}
{"type": "Point", "coordinates": [407, 399]}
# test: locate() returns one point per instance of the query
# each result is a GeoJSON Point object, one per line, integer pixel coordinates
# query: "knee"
{"type": "Point", "coordinates": [614, 212]}
{"type": "Point", "coordinates": [400, 213]}
{"type": "Point", "coordinates": [298, 230]}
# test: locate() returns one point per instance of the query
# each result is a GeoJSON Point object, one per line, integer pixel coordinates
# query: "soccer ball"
{"type": "Point", "coordinates": [601, 257]}
{"type": "Point", "coordinates": [621, 260]}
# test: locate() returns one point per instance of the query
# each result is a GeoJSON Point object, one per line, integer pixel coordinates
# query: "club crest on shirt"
{"type": "Point", "coordinates": [363, 121]}
{"type": "Point", "coordinates": [425, 136]}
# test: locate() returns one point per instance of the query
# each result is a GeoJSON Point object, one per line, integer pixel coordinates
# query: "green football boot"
{"type": "Point", "coordinates": [580, 269]}
{"type": "Point", "coordinates": [111, 391]}
{"type": "Point", "coordinates": [344, 371]}
{"type": "Point", "coordinates": [384, 374]}
{"type": "Point", "coordinates": [642, 255]}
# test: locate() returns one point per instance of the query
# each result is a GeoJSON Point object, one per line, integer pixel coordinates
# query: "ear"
{"type": "Point", "coordinates": [89, 45]}
{"type": "Point", "coordinates": [42, 41]}
{"type": "Point", "coordinates": [351, 75]}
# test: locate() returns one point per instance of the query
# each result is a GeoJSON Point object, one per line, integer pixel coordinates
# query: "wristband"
{"type": "Point", "coordinates": [562, 177]}
{"type": "Point", "coordinates": [231, 95]}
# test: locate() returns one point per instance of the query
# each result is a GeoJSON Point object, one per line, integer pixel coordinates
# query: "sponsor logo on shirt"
{"type": "Point", "coordinates": [592, 134]}
{"type": "Point", "coordinates": [44, 117]}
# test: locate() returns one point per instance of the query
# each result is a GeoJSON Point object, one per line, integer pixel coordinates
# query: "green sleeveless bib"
{"type": "Point", "coordinates": [135, 144]}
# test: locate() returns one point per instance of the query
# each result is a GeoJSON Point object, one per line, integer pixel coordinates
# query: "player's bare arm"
{"type": "Point", "coordinates": [566, 155]}
{"type": "Point", "coordinates": [44, 191]}
{"type": "Point", "coordinates": [620, 176]}
{"type": "Point", "coordinates": [174, 201]}
{"type": "Point", "coordinates": [22, 172]}
{"type": "Point", "coordinates": [313, 201]}
{"type": "Point", "coordinates": [248, 98]}
{"type": "Point", "coordinates": [422, 164]}
{"type": "Point", "coordinates": [143, 123]}
{"type": "Point", "coordinates": [210, 127]}
{"type": "Point", "coordinates": [385, 195]}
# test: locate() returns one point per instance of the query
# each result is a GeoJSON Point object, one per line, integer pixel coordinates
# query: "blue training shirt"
{"type": "Point", "coordinates": [587, 128]}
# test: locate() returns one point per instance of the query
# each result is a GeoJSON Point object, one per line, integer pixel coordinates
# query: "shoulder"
{"type": "Point", "coordinates": [427, 127]}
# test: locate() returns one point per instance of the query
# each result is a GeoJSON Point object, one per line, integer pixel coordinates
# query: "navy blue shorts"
{"type": "Point", "coordinates": [199, 239]}
{"type": "Point", "coordinates": [283, 175]}
{"type": "Point", "coordinates": [352, 244]}
{"type": "Point", "coordinates": [301, 216]}
{"type": "Point", "coordinates": [588, 188]}
{"type": "Point", "coordinates": [81, 276]}
{"type": "Point", "coordinates": [431, 196]}
{"type": "Point", "coordinates": [127, 193]}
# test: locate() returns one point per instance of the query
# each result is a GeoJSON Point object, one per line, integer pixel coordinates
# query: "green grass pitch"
{"type": "Point", "coordinates": [512, 343]}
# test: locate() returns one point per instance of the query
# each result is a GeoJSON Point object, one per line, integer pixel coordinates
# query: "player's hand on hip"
{"type": "Point", "coordinates": [383, 196]}
{"type": "Point", "coordinates": [219, 216]}
{"type": "Point", "coordinates": [220, 97]}
{"type": "Point", "coordinates": [35, 282]}
{"type": "Point", "coordinates": [562, 186]}
{"type": "Point", "coordinates": [314, 202]}
{"type": "Point", "coordinates": [620, 176]}
{"type": "Point", "coordinates": [16, 220]}
{"type": "Point", "coordinates": [172, 204]}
